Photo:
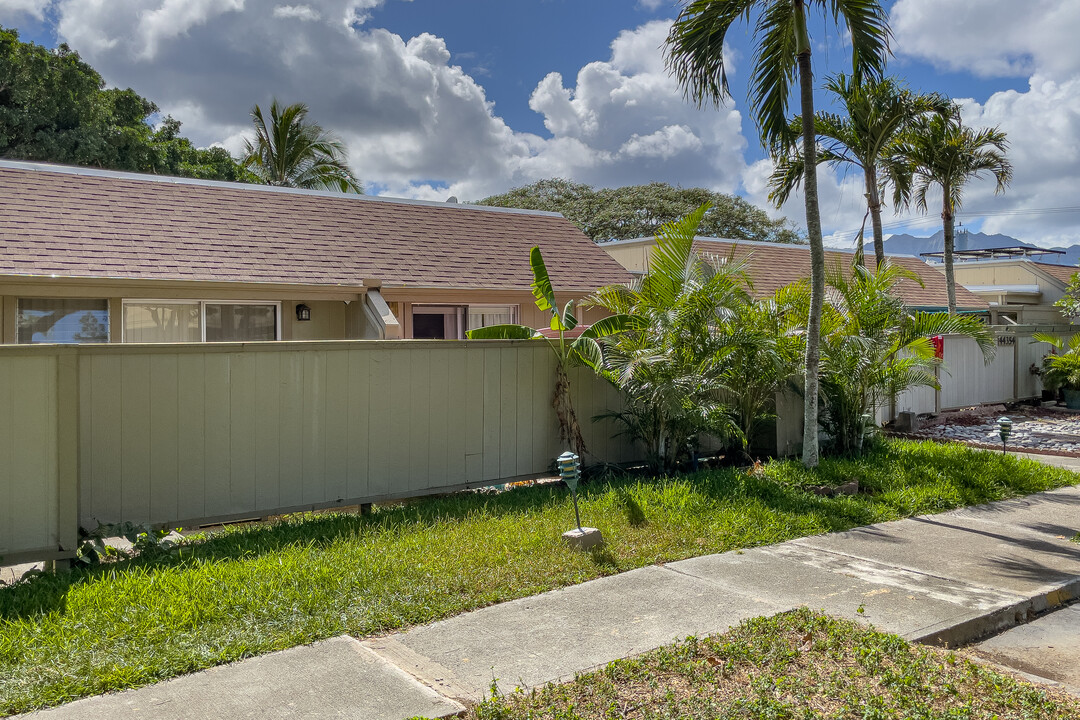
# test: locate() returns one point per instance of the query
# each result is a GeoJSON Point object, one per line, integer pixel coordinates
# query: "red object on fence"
{"type": "Point", "coordinates": [939, 346]}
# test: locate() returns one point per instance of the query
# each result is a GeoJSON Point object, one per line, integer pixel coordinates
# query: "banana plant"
{"type": "Point", "coordinates": [585, 349]}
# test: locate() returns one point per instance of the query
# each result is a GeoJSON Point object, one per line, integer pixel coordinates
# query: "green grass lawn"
{"type": "Point", "coordinates": [259, 588]}
{"type": "Point", "coordinates": [796, 665]}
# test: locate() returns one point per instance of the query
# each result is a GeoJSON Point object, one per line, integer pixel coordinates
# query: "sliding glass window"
{"type": "Point", "coordinates": [158, 321]}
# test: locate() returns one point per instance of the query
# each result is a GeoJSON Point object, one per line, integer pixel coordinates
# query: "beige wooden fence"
{"type": "Point", "coordinates": [192, 434]}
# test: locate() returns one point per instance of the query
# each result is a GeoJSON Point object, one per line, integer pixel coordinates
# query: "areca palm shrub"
{"type": "Point", "coordinates": [695, 56]}
{"type": "Point", "coordinates": [764, 347]}
{"type": "Point", "coordinates": [873, 347]}
{"type": "Point", "coordinates": [678, 370]}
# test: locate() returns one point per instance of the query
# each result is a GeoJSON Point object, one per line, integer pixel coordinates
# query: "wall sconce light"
{"type": "Point", "coordinates": [303, 312]}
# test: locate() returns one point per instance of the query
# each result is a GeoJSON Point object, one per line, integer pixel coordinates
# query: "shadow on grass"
{"type": "Point", "coordinates": [897, 479]}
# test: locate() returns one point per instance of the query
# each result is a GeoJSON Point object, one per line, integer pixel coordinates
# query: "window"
{"type": "Point", "coordinates": [163, 321]}
{"type": "Point", "coordinates": [437, 322]}
{"type": "Point", "coordinates": [73, 320]}
{"type": "Point", "coordinates": [486, 315]}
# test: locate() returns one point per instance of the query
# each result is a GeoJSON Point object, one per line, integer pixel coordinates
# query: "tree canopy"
{"type": "Point", "coordinates": [292, 151]}
{"type": "Point", "coordinates": [55, 108]}
{"type": "Point", "coordinates": [637, 211]}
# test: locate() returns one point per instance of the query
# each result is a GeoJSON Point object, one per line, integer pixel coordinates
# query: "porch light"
{"type": "Point", "coordinates": [1004, 430]}
{"type": "Point", "coordinates": [303, 312]}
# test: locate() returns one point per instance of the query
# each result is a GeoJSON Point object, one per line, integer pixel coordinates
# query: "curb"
{"type": "Point", "coordinates": [968, 631]}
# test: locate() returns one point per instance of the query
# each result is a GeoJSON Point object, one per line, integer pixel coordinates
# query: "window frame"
{"type": "Point", "coordinates": [108, 317]}
{"type": "Point", "coordinates": [515, 311]}
{"type": "Point", "coordinates": [202, 314]}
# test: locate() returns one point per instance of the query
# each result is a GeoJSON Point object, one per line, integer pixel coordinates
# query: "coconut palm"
{"type": "Point", "coordinates": [878, 109]}
{"type": "Point", "coordinates": [695, 56]}
{"type": "Point", "coordinates": [583, 350]}
{"type": "Point", "coordinates": [939, 150]}
{"type": "Point", "coordinates": [873, 348]}
{"type": "Point", "coordinates": [290, 151]}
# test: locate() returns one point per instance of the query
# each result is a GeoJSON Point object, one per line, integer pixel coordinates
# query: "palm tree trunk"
{"type": "Point", "coordinates": [817, 263]}
{"type": "Point", "coordinates": [873, 200]}
{"type": "Point", "coordinates": [569, 429]}
{"type": "Point", "coordinates": [947, 220]}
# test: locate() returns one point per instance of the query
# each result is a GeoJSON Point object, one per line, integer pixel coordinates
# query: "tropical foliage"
{"type": "Point", "coordinates": [1061, 369]}
{"type": "Point", "coordinates": [940, 151]}
{"type": "Point", "coordinates": [695, 56]}
{"type": "Point", "coordinates": [878, 110]}
{"type": "Point", "coordinates": [707, 359]}
{"type": "Point", "coordinates": [292, 151]}
{"type": "Point", "coordinates": [55, 108]}
{"type": "Point", "coordinates": [636, 211]}
{"type": "Point", "coordinates": [873, 348]}
{"type": "Point", "coordinates": [582, 350]}
{"type": "Point", "coordinates": [670, 370]}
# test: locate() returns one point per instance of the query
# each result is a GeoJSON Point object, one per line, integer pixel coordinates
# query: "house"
{"type": "Point", "coordinates": [98, 256]}
{"type": "Point", "coordinates": [771, 266]}
{"type": "Point", "coordinates": [1019, 289]}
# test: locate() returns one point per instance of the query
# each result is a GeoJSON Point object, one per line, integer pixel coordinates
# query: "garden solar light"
{"type": "Point", "coordinates": [570, 472]}
{"type": "Point", "coordinates": [1004, 430]}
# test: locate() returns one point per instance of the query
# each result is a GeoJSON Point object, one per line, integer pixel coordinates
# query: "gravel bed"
{"type": "Point", "coordinates": [1040, 431]}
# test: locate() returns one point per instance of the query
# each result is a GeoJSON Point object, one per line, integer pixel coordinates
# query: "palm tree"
{"type": "Point", "coordinates": [940, 150]}
{"type": "Point", "coordinates": [695, 56]}
{"type": "Point", "coordinates": [672, 367]}
{"type": "Point", "coordinates": [583, 350]}
{"type": "Point", "coordinates": [877, 111]}
{"type": "Point", "coordinates": [292, 152]}
{"type": "Point", "coordinates": [874, 348]}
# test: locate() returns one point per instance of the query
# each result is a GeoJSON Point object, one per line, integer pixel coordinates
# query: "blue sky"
{"type": "Point", "coordinates": [439, 97]}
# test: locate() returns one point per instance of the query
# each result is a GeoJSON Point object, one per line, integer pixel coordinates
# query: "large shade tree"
{"type": "Point", "coordinates": [877, 111]}
{"type": "Point", "coordinates": [291, 151]}
{"type": "Point", "coordinates": [54, 107]}
{"type": "Point", "coordinates": [695, 56]}
{"type": "Point", "coordinates": [635, 211]}
{"type": "Point", "coordinates": [940, 151]}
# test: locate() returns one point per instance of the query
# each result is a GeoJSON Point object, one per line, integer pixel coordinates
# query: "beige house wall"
{"type": "Point", "coordinates": [401, 301]}
{"type": "Point", "coordinates": [336, 313]}
{"type": "Point", "coordinates": [1031, 309]}
{"type": "Point", "coordinates": [329, 306]}
{"type": "Point", "coordinates": [632, 256]}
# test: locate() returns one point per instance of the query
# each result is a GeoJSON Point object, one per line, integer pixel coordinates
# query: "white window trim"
{"type": "Point", "coordinates": [202, 313]}
{"type": "Point", "coordinates": [515, 310]}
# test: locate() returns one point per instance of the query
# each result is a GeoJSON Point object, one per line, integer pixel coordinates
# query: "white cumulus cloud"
{"type": "Point", "coordinates": [415, 123]}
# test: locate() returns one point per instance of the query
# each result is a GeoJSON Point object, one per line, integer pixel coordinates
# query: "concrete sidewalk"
{"type": "Point", "coordinates": [949, 578]}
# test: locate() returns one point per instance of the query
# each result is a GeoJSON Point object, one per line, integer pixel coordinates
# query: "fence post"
{"type": "Point", "coordinates": [67, 449]}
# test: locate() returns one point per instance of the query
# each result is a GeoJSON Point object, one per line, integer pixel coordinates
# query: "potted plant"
{"type": "Point", "coordinates": [1062, 369]}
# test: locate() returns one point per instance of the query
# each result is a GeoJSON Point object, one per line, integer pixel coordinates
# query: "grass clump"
{"type": "Point", "coordinates": [260, 588]}
{"type": "Point", "coordinates": [794, 665]}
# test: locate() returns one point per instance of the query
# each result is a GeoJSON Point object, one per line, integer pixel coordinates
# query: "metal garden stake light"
{"type": "Point", "coordinates": [570, 472]}
{"type": "Point", "coordinates": [581, 538]}
{"type": "Point", "coordinates": [1004, 430]}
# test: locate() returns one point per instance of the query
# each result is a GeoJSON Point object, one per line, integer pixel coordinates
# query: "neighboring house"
{"type": "Point", "coordinates": [97, 256]}
{"type": "Point", "coordinates": [1018, 289]}
{"type": "Point", "coordinates": [771, 266]}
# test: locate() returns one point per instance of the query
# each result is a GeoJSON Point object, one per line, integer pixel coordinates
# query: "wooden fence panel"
{"type": "Point", "coordinates": [30, 478]}
{"type": "Point", "coordinates": [191, 434]}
